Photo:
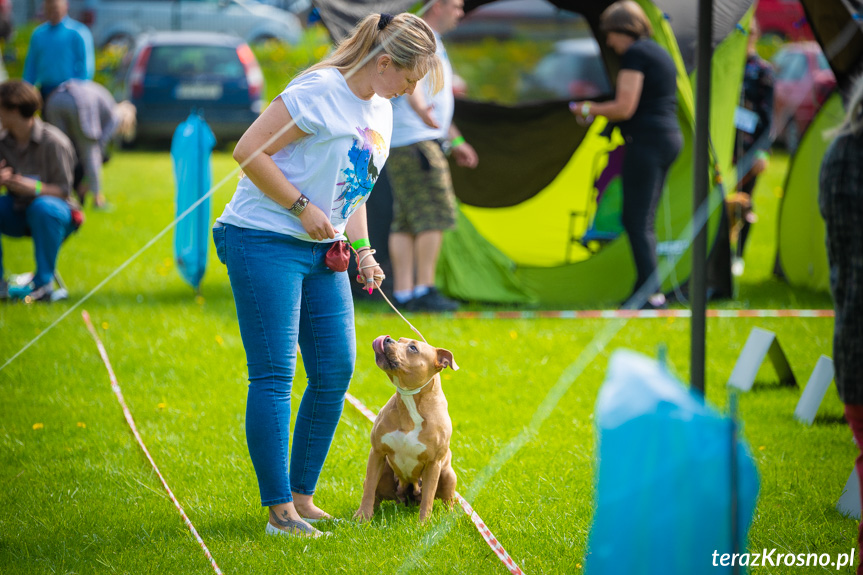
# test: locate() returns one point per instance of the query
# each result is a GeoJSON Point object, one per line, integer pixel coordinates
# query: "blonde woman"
{"type": "Point", "coordinates": [305, 188]}
{"type": "Point", "coordinates": [841, 203]}
{"type": "Point", "coordinates": [645, 110]}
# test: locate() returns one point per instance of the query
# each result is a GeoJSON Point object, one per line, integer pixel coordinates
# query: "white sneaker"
{"type": "Point", "coordinates": [737, 267]}
{"type": "Point", "coordinates": [299, 530]}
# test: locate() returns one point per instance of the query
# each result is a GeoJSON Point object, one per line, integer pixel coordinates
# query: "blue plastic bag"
{"type": "Point", "coordinates": [664, 487]}
{"type": "Point", "coordinates": [191, 148]}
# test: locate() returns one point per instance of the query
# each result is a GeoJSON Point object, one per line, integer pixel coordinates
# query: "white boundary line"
{"type": "Point", "coordinates": [486, 533]}
{"type": "Point", "coordinates": [115, 387]}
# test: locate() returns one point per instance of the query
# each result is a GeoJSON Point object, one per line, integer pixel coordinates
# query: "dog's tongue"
{"type": "Point", "coordinates": [378, 343]}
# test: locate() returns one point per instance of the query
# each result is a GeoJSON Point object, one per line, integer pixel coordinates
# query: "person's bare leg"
{"type": "Point", "coordinates": [285, 517]}
{"type": "Point", "coordinates": [402, 258]}
{"type": "Point", "coordinates": [306, 507]}
{"type": "Point", "coordinates": [427, 248]}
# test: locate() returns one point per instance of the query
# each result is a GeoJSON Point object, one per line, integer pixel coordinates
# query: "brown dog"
{"type": "Point", "coordinates": [410, 455]}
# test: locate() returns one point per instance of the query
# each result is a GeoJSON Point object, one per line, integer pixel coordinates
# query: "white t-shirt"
{"type": "Point", "coordinates": [335, 166]}
{"type": "Point", "coordinates": [408, 128]}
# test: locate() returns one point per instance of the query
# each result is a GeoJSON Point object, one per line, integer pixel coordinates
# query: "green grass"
{"type": "Point", "coordinates": [78, 496]}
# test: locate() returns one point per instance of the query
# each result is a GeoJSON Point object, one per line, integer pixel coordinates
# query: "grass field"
{"type": "Point", "coordinates": [78, 496]}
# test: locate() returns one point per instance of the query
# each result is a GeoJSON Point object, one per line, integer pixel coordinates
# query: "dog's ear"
{"type": "Point", "coordinates": [445, 359]}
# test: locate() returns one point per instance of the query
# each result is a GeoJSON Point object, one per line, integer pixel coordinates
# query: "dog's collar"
{"type": "Point", "coordinates": [403, 391]}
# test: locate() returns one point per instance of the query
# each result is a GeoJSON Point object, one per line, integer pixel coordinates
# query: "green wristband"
{"type": "Point", "coordinates": [363, 243]}
{"type": "Point", "coordinates": [457, 141]}
{"type": "Point", "coordinates": [38, 187]}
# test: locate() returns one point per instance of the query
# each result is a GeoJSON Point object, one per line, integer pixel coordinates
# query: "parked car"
{"type": "Point", "coordinates": [171, 73]}
{"type": "Point", "coordinates": [573, 70]}
{"type": "Point", "coordinates": [510, 19]}
{"type": "Point", "coordinates": [803, 81]}
{"type": "Point", "coordinates": [783, 18]}
{"type": "Point", "coordinates": [120, 21]}
{"type": "Point", "coordinates": [301, 8]}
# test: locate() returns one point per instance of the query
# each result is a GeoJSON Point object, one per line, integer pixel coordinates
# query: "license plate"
{"type": "Point", "coordinates": [199, 91]}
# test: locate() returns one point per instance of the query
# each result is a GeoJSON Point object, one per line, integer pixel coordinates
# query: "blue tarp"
{"type": "Point", "coordinates": [663, 492]}
{"type": "Point", "coordinates": [191, 148]}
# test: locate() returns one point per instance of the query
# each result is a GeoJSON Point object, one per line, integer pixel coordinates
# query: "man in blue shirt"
{"type": "Point", "coordinates": [60, 49]}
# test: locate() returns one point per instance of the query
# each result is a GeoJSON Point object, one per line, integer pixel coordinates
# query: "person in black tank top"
{"type": "Point", "coordinates": [645, 110]}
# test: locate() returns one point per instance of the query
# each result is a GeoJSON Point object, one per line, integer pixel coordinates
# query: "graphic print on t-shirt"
{"type": "Point", "coordinates": [367, 153]}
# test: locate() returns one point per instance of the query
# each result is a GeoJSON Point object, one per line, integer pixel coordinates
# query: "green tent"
{"type": "Point", "coordinates": [800, 241]}
{"type": "Point", "coordinates": [539, 217]}
{"type": "Point", "coordinates": [539, 250]}
{"type": "Point", "coordinates": [801, 251]}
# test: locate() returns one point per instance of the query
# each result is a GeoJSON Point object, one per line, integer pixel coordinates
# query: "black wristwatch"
{"type": "Point", "coordinates": [299, 205]}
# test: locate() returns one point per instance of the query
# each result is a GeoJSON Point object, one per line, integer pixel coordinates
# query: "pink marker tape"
{"type": "Point", "coordinates": [128, 414]}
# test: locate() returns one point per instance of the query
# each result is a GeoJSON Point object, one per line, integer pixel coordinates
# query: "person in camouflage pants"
{"type": "Point", "coordinates": [418, 173]}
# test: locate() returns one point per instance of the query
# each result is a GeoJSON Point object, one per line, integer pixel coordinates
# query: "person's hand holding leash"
{"type": "Point", "coordinates": [371, 274]}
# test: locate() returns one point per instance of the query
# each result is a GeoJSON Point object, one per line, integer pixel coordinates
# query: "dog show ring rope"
{"type": "Point", "coordinates": [115, 387]}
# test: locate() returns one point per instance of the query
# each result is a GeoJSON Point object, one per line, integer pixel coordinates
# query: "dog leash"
{"type": "Point", "coordinates": [386, 299]}
{"type": "Point", "coordinates": [377, 284]}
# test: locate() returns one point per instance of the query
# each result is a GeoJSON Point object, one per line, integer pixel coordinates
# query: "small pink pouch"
{"type": "Point", "coordinates": [338, 256]}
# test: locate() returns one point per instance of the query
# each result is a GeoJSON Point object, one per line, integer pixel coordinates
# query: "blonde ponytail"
{"type": "Point", "coordinates": [406, 38]}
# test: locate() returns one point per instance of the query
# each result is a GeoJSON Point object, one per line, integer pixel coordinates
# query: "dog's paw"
{"type": "Point", "coordinates": [363, 515]}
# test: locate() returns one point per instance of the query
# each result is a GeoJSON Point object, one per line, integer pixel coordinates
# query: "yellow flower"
{"type": "Point", "coordinates": [219, 340]}
{"type": "Point", "coordinates": [161, 406]}
{"type": "Point", "coordinates": [762, 448]}
{"type": "Point", "coordinates": [513, 334]}
{"type": "Point", "coordinates": [38, 426]}
{"type": "Point", "coordinates": [105, 325]}
{"type": "Point", "coordinates": [82, 424]}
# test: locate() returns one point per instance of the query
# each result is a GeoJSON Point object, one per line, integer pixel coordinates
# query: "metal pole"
{"type": "Point", "coordinates": [734, 493]}
{"type": "Point", "coordinates": [698, 280]}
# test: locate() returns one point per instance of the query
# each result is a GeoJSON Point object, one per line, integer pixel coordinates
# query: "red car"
{"type": "Point", "coordinates": [783, 18]}
{"type": "Point", "coordinates": [803, 81]}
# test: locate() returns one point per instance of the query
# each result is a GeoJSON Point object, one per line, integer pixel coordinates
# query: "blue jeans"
{"type": "Point", "coordinates": [285, 294]}
{"type": "Point", "coordinates": [48, 220]}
